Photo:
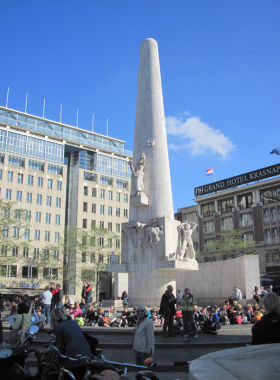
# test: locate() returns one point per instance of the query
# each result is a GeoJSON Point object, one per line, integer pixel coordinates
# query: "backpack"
{"type": "Point", "coordinates": [237, 320]}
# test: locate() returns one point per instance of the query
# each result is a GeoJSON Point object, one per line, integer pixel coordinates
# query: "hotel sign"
{"type": "Point", "coordinates": [256, 175]}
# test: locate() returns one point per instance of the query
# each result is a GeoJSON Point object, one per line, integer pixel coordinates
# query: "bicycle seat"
{"type": "Point", "coordinates": [95, 365]}
{"type": "Point", "coordinates": [149, 374]}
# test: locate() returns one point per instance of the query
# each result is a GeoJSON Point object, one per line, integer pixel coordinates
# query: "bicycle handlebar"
{"type": "Point", "coordinates": [123, 364]}
{"type": "Point", "coordinates": [67, 357]}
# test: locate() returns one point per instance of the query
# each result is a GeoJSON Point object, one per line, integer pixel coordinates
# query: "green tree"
{"type": "Point", "coordinates": [229, 243]}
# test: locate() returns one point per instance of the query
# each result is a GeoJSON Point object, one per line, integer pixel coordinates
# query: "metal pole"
{"type": "Point", "coordinates": [44, 109]}
{"type": "Point", "coordinates": [214, 175]}
{"type": "Point", "coordinates": [92, 122]}
{"type": "Point", "coordinates": [26, 102]}
{"type": "Point", "coordinates": [77, 118]}
{"type": "Point", "coordinates": [7, 98]}
{"type": "Point", "coordinates": [60, 112]}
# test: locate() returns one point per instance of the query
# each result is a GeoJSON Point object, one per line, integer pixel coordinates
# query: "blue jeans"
{"type": "Point", "coordinates": [46, 312]}
{"type": "Point", "coordinates": [88, 300]}
{"type": "Point", "coordinates": [140, 357]}
{"type": "Point", "coordinates": [59, 305]}
{"type": "Point", "coordinates": [189, 322]}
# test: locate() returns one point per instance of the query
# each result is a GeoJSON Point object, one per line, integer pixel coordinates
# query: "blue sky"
{"type": "Point", "coordinates": [219, 65]}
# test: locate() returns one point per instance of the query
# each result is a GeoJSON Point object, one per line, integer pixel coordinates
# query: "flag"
{"type": "Point", "coordinates": [209, 171]}
{"type": "Point", "coordinates": [276, 151]}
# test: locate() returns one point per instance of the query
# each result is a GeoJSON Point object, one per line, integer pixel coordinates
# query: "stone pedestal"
{"type": "Point", "coordinates": [139, 201]}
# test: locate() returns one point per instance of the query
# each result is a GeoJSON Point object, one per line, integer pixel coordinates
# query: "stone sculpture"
{"type": "Point", "coordinates": [114, 259]}
{"type": "Point", "coordinates": [138, 175]}
{"type": "Point", "coordinates": [187, 241]}
{"type": "Point", "coordinates": [154, 235]}
{"type": "Point", "coordinates": [172, 256]}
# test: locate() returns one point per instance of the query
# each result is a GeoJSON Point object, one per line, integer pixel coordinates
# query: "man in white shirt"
{"type": "Point", "coordinates": [236, 296]}
{"type": "Point", "coordinates": [46, 298]}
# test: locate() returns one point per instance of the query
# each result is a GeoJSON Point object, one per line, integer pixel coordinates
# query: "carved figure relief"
{"type": "Point", "coordinates": [187, 243]}
{"type": "Point", "coordinates": [114, 259]}
{"type": "Point", "coordinates": [151, 142]}
{"type": "Point", "coordinates": [154, 235]}
{"type": "Point", "coordinates": [138, 175]}
{"type": "Point", "coordinates": [172, 256]}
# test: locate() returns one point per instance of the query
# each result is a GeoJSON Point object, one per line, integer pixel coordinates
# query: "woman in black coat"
{"type": "Point", "coordinates": [267, 330]}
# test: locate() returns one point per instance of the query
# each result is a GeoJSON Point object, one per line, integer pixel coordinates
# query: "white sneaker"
{"type": "Point", "coordinates": [196, 336]}
{"type": "Point", "coordinates": [186, 336]}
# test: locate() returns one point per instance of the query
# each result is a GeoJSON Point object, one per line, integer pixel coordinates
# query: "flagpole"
{"type": "Point", "coordinates": [214, 175]}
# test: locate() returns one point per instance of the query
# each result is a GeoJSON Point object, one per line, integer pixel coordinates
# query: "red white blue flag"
{"type": "Point", "coordinates": [209, 171]}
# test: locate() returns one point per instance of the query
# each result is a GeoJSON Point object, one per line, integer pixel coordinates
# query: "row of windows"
{"type": "Point", "coordinates": [103, 193]}
{"type": "Point", "coordinates": [38, 216]}
{"type": "Point", "coordinates": [92, 258]}
{"type": "Point", "coordinates": [26, 234]}
{"type": "Point", "coordinates": [29, 197]}
{"type": "Point", "coordinates": [102, 225]}
{"type": "Point", "coordinates": [27, 254]}
{"type": "Point", "coordinates": [28, 272]}
{"type": "Point", "coordinates": [248, 236]}
{"type": "Point", "coordinates": [102, 210]}
{"type": "Point", "coordinates": [30, 180]}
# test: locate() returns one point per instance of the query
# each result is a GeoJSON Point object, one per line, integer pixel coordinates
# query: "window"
{"type": "Point", "coordinates": [36, 253]}
{"type": "Point", "coordinates": [84, 257]}
{"type": "Point", "coordinates": [48, 219]}
{"type": "Point", "coordinates": [37, 235]}
{"type": "Point", "coordinates": [46, 254]}
{"type": "Point", "coordinates": [118, 211]}
{"type": "Point", "coordinates": [40, 182]}
{"type": "Point", "coordinates": [271, 195]}
{"type": "Point", "coordinates": [122, 183]}
{"type": "Point", "coordinates": [16, 232]}
{"type": "Point", "coordinates": [8, 194]}
{"type": "Point", "coordinates": [29, 272]}
{"type": "Point", "coordinates": [57, 219]}
{"type": "Point", "coordinates": [125, 198]}
{"type": "Point", "coordinates": [110, 243]}
{"type": "Point", "coordinates": [85, 190]}
{"type": "Point", "coordinates": [2, 157]}
{"type": "Point", "coordinates": [226, 205]}
{"type": "Point", "coordinates": [26, 234]}
{"type": "Point", "coordinates": [20, 178]}
{"type": "Point", "coordinates": [85, 208]}
{"type": "Point", "coordinates": [208, 209]}
{"type": "Point", "coordinates": [101, 224]}
{"type": "Point", "coordinates": [39, 199]}
{"type": "Point", "coordinates": [38, 217]}
{"type": "Point", "coordinates": [101, 257]}
{"type": "Point", "coordinates": [102, 193]}
{"type": "Point", "coordinates": [16, 161]}
{"type": "Point", "coordinates": [8, 271]}
{"type": "Point", "coordinates": [101, 210]}
{"type": "Point", "coordinates": [110, 226]}
{"type": "Point", "coordinates": [118, 197]}
{"type": "Point", "coordinates": [29, 197]}
{"type": "Point", "coordinates": [208, 245]}
{"type": "Point", "coordinates": [10, 177]}
{"type": "Point", "coordinates": [246, 219]}
{"type": "Point", "coordinates": [50, 273]}
{"type": "Point", "coordinates": [58, 185]}
{"type": "Point", "coordinates": [125, 213]}
{"type": "Point", "coordinates": [6, 212]}
{"type": "Point", "coordinates": [56, 237]}
{"type": "Point", "coordinates": [93, 208]}
{"type": "Point", "coordinates": [5, 231]}
{"type": "Point", "coordinates": [58, 202]}
{"type": "Point", "coordinates": [109, 259]}
{"type": "Point", "coordinates": [118, 243]}
{"type": "Point", "coordinates": [25, 252]}
{"type": "Point", "coordinates": [226, 223]}
{"type": "Point", "coordinates": [84, 240]}
{"type": "Point", "coordinates": [245, 201]}
{"type": "Point", "coordinates": [1, 172]}
{"type": "Point", "coordinates": [19, 196]}
{"type": "Point", "coordinates": [93, 192]}
{"type": "Point", "coordinates": [106, 180]}
{"type": "Point", "coordinates": [49, 184]}
{"type": "Point", "coordinates": [27, 215]}
{"type": "Point", "coordinates": [93, 223]}
{"type": "Point", "coordinates": [84, 223]}
{"type": "Point", "coordinates": [92, 241]}
{"type": "Point", "coordinates": [110, 195]}
{"type": "Point", "coordinates": [208, 226]}
{"type": "Point", "coordinates": [118, 227]}
{"type": "Point", "coordinates": [49, 201]}
{"type": "Point", "coordinates": [4, 250]}
{"type": "Point", "coordinates": [248, 237]}
{"type": "Point", "coordinates": [30, 180]}
{"type": "Point", "coordinates": [90, 177]}
{"type": "Point", "coordinates": [101, 242]}
{"type": "Point", "coordinates": [110, 210]}
{"type": "Point", "coordinates": [15, 252]}
{"type": "Point", "coordinates": [56, 254]}
{"type": "Point", "coordinates": [47, 235]}
{"type": "Point", "coordinates": [55, 169]}
{"type": "Point", "coordinates": [17, 214]}
{"type": "Point", "coordinates": [273, 214]}
{"type": "Point", "coordinates": [36, 165]}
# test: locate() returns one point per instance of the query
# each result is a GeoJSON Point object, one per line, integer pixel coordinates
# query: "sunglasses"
{"type": "Point", "coordinates": [140, 311]}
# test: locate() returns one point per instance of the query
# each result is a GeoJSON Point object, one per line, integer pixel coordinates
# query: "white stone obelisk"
{"type": "Point", "coordinates": [150, 137]}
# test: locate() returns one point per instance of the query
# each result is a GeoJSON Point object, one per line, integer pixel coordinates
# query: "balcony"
{"type": "Point", "coordinates": [272, 240]}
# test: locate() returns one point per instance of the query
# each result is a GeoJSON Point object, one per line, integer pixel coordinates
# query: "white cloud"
{"type": "Point", "coordinates": [197, 137]}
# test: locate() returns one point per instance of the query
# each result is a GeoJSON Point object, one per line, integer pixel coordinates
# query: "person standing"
{"type": "Point", "coordinates": [143, 339]}
{"type": "Point", "coordinates": [53, 290]}
{"type": "Point", "coordinates": [83, 289]}
{"type": "Point", "coordinates": [167, 309]}
{"type": "Point", "coordinates": [88, 291]}
{"type": "Point", "coordinates": [58, 296]}
{"type": "Point", "coordinates": [46, 298]}
{"type": "Point", "coordinates": [270, 289]}
{"type": "Point", "coordinates": [188, 302]}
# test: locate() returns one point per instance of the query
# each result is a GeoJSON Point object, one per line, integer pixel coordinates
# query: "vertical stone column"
{"type": "Point", "coordinates": [150, 137]}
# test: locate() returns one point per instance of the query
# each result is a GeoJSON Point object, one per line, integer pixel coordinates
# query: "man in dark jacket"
{"type": "Point", "coordinates": [167, 309]}
{"type": "Point", "coordinates": [88, 292]}
{"type": "Point", "coordinates": [58, 296]}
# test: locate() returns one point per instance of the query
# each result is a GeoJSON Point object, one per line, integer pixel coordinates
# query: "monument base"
{"type": "Point", "coordinates": [139, 200]}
